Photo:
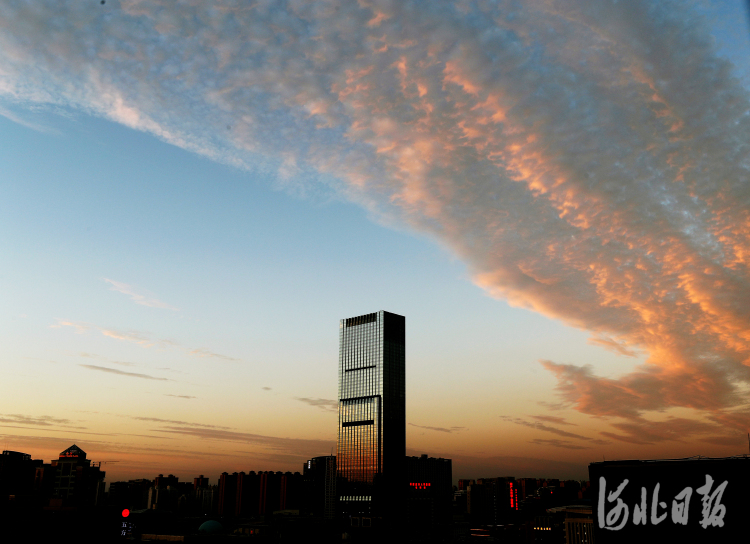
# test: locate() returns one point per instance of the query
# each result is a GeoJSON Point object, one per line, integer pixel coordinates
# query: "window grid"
{"type": "Point", "coordinates": [371, 398]}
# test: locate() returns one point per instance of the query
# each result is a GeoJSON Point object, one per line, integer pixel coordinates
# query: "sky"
{"type": "Point", "coordinates": [555, 194]}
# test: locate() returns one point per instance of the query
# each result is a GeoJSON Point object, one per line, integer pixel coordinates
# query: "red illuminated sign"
{"type": "Point", "coordinates": [125, 513]}
{"type": "Point", "coordinates": [419, 485]}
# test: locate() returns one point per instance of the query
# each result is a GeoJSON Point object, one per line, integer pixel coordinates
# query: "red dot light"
{"type": "Point", "coordinates": [125, 513]}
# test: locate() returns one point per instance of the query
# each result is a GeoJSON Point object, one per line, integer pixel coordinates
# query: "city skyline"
{"type": "Point", "coordinates": [555, 195]}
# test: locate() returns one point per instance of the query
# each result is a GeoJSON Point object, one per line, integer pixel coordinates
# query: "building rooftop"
{"type": "Point", "coordinates": [73, 452]}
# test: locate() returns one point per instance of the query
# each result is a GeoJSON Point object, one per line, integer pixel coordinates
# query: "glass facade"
{"type": "Point", "coordinates": [372, 411]}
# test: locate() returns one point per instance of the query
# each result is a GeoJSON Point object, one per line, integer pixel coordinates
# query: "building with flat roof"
{"type": "Point", "coordinates": [320, 499]}
{"type": "Point", "coordinates": [372, 416]}
{"type": "Point", "coordinates": [17, 471]}
{"type": "Point", "coordinates": [429, 496]}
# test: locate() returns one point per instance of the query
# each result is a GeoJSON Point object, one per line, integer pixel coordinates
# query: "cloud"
{"type": "Point", "coordinates": [588, 160]}
{"type": "Point", "coordinates": [132, 336]}
{"type": "Point", "coordinates": [146, 436]}
{"type": "Point", "coordinates": [325, 404]}
{"type": "Point", "coordinates": [28, 124]}
{"type": "Point", "coordinates": [177, 422]}
{"type": "Point", "coordinates": [138, 298]}
{"type": "Point", "coordinates": [125, 363]}
{"type": "Point", "coordinates": [298, 446]}
{"type": "Point", "coordinates": [94, 356]}
{"type": "Point", "coordinates": [97, 447]}
{"type": "Point", "coordinates": [292, 459]}
{"type": "Point", "coordinates": [726, 440]}
{"type": "Point", "coordinates": [266, 388]}
{"type": "Point", "coordinates": [139, 338]}
{"type": "Point", "coordinates": [734, 419]}
{"type": "Point", "coordinates": [180, 396]}
{"type": "Point", "coordinates": [39, 421]}
{"type": "Point", "coordinates": [553, 405]}
{"type": "Point", "coordinates": [122, 373]}
{"type": "Point", "coordinates": [81, 328]}
{"type": "Point", "coordinates": [613, 345]}
{"type": "Point", "coordinates": [641, 431]}
{"type": "Point", "coordinates": [440, 429]}
{"type": "Point", "coordinates": [651, 388]}
{"type": "Point", "coordinates": [203, 352]}
{"type": "Point", "coordinates": [553, 419]}
{"type": "Point", "coordinates": [60, 430]}
{"type": "Point", "coordinates": [557, 443]}
{"type": "Point", "coordinates": [637, 430]}
{"type": "Point", "coordinates": [546, 428]}
{"type": "Point", "coordinates": [170, 370]}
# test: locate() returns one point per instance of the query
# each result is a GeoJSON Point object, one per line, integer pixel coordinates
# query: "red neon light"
{"type": "Point", "coordinates": [420, 485]}
{"type": "Point", "coordinates": [125, 513]}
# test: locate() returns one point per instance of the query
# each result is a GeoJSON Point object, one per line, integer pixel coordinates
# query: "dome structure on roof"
{"type": "Point", "coordinates": [210, 527]}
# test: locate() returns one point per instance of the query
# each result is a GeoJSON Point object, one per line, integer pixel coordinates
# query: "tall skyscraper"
{"type": "Point", "coordinates": [372, 415]}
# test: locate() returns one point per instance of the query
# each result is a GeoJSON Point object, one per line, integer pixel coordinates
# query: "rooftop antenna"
{"type": "Point", "coordinates": [748, 441]}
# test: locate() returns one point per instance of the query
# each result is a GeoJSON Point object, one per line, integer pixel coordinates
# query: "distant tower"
{"type": "Point", "coordinates": [372, 416]}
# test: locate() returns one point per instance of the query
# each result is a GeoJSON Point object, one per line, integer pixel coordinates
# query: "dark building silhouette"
{"type": "Point", "coordinates": [463, 485]}
{"type": "Point", "coordinates": [429, 494]}
{"type": "Point", "coordinates": [526, 487]}
{"type": "Point", "coordinates": [207, 499]}
{"type": "Point", "coordinates": [165, 481]}
{"type": "Point", "coordinates": [270, 492]}
{"type": "Point", "coordinates": [248, 494]}
{"type": "Point", "coordinates": [17, 473]}
{"type": "Point", "coordinates": [78, 483]}
{"type": "Point", "coordinates": [200, 482]}
{"type": "Point", "coordinates": [227, 494]}
{"type": "Point", "coordinates": [71, 481]}
{"type": "Point", "coordinates": [261, 494]}
{"type": "Point", "coordinates": [290, 491]}
{"type": "Point", "coordinates": [44, 482]}
{"type": "Point", "coordinates": [320, 498]}
{"type": "Point", "coordinates": [168, 493]}
{"type": "Point", "coordinates": [372, 416]}
{"type": "Point", "coordinates": [493, 501]}
{"type": "Point", "coordinates": [132, 494]}
{"type": "Point", "coordinates": [574, 523]}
